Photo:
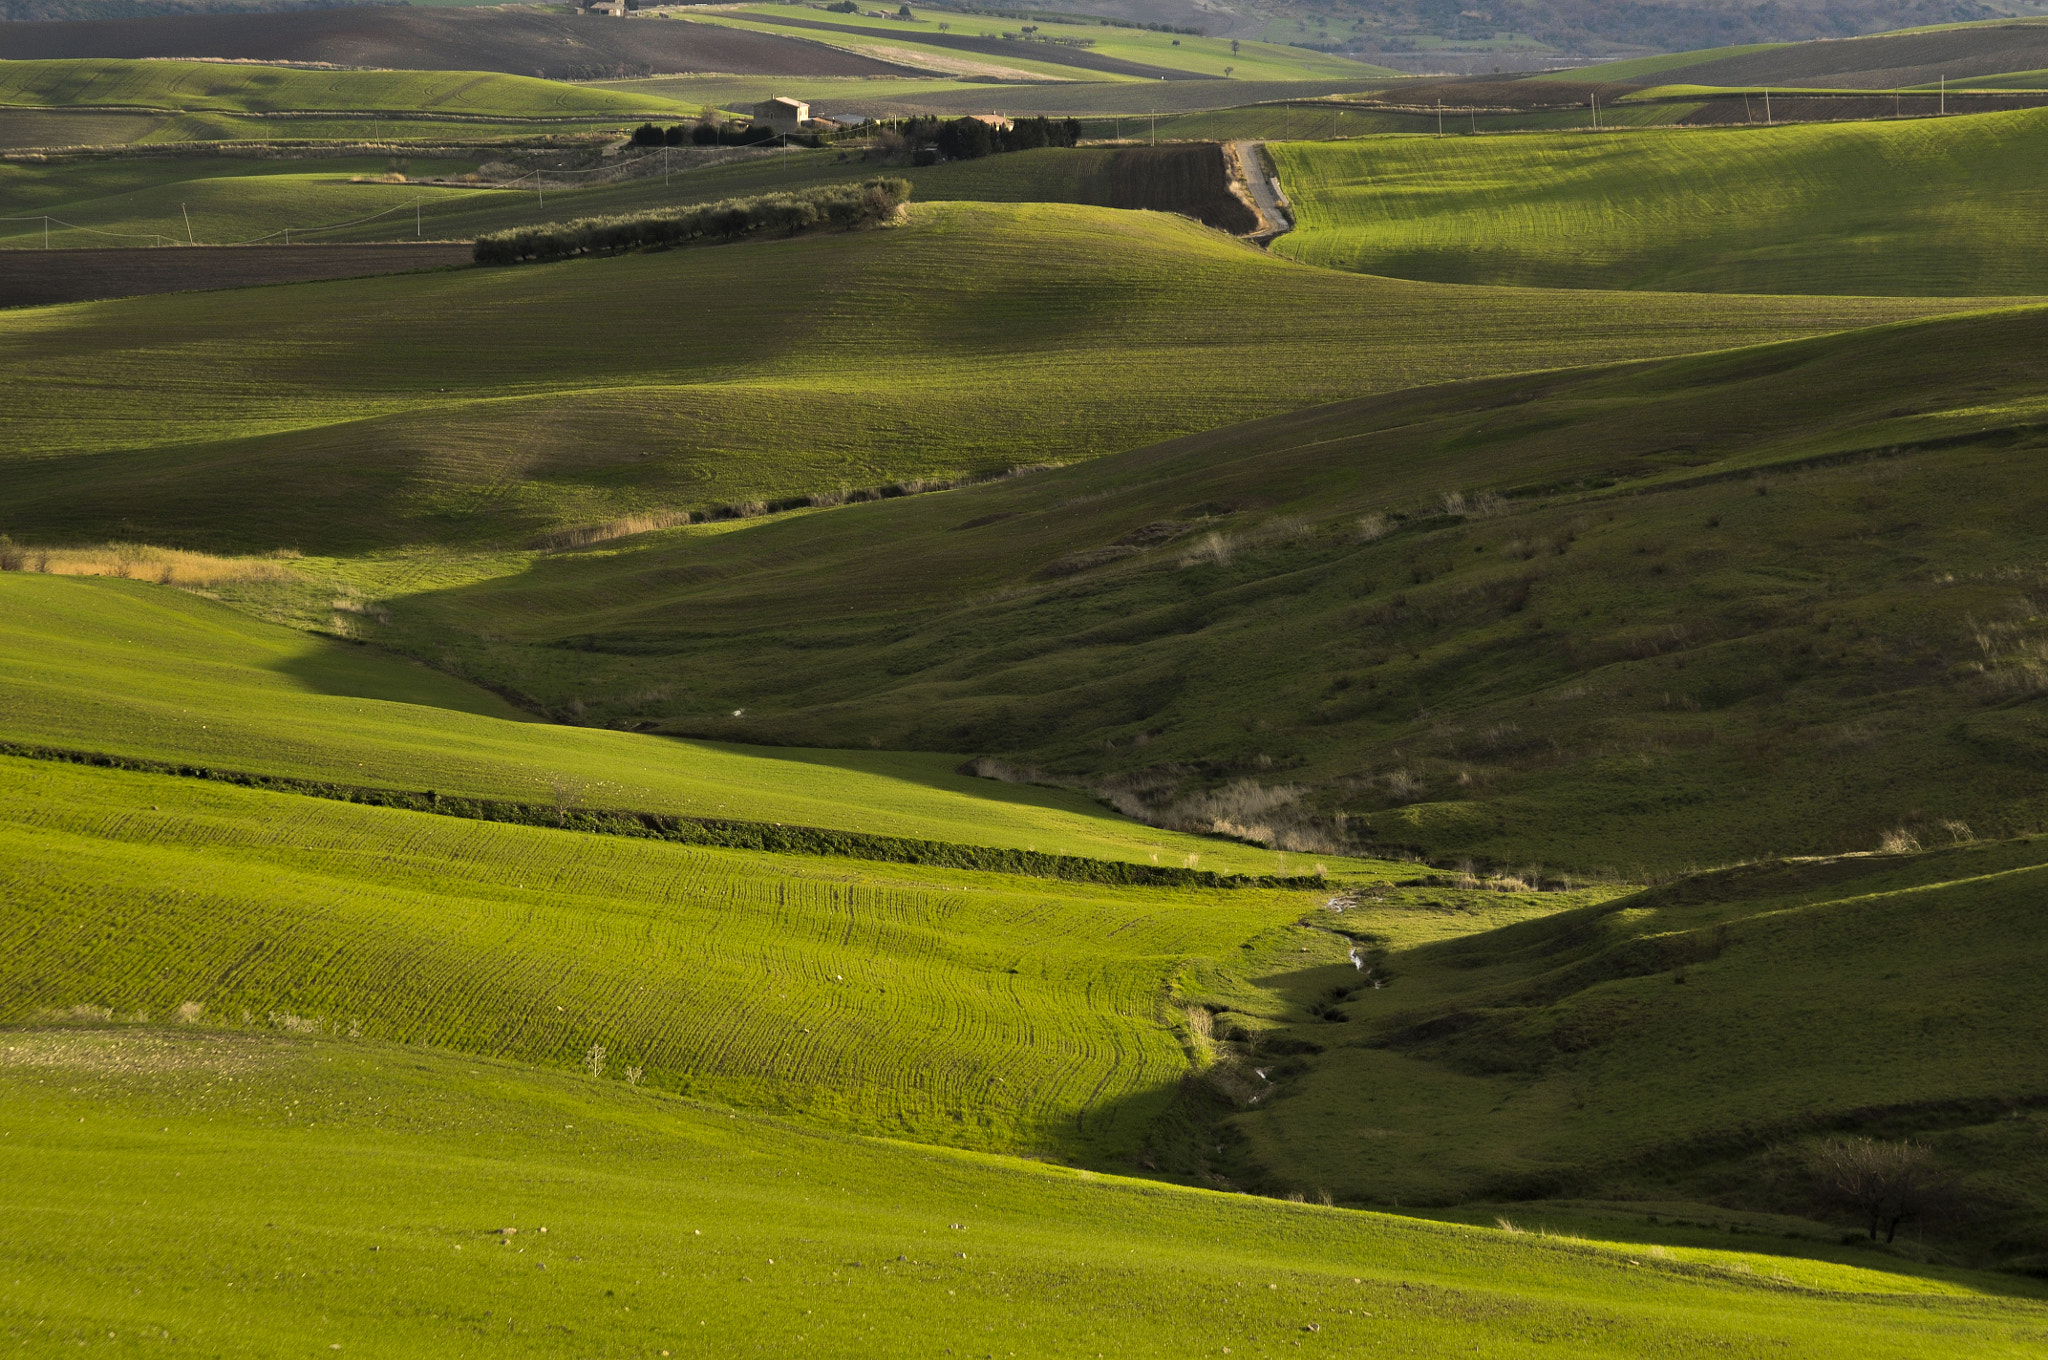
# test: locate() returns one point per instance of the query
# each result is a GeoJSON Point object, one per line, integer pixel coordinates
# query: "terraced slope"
{"type": "Point", "coordinates": [1931, 207]}
{"type": "Point", "coordinates": [1639, 617]}
{"type": "Point", "coordinates": [135, 670]}
{"type": "Point", "coordinates": [488, 406]}
{"type": "Point", "coordinates": [353, 1194]}
{"type": "Point", "coordinates": [1687, 1042]}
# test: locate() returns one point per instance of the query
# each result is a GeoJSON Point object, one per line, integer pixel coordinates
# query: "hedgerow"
{"type": "Point", "coordinates": [723, 832]}
{"type": "Point", "coordinates": [844, 206]}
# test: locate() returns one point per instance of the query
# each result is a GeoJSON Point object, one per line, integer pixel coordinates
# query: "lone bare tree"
{"type": "Point", "coordinates": [1883, 1184]}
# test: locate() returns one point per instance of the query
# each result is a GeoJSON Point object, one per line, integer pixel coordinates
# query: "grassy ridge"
{"type": "Point", "coordinates": [1018, 334]}
{"type": "Point", "coordinates": [917, 1002]}
{"type": "Point", "coordinates": [274, 1165]}
{"type": "Point", "coordinates": [1924, 207]}
{"type": "Point", "coordinates": [1598, 657]}
{"type": "Point", "coordinates": [156, 674]}
{"type": "Point", "coordinates": [1896, 995]}
{"type": "Point", "coordinates": [194, 86]}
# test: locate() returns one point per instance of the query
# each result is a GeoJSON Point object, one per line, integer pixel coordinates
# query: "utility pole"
{"type": "Point", "coordinates": [188, 226]}
{"type": "Point", "coordinates": [1944, 94]}
{"type": "Point", "coordinates": [1767, 108]}
{"type": "Point", "coordinates": [46, 231]}
{"type": "Point", "coordinates": [1439, 118]}
{"type": "Point", "coordinates": [415, 217]}
{"type": "Point", "coordinates": [1595, 97]}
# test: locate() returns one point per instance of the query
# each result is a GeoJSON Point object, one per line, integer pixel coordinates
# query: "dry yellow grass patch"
{"type": "Point", "coordinates": [145, 562]}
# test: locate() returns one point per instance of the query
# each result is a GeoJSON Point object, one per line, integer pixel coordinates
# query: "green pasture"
{"type": "Point", "coordinates": [1615, 1052]}
{"type": "Point", "coordinates": [247, 1193]}
{"type": "Point", "coordinates": [484, 406]}
{"type": "Point", "coordinates": [943, 1007]}
{"type": "Point", "coordinates": [1924, 207]}
{"type": "Point", "coordinates": [1779, 600]}
{"type": "Point", "coordinates": [195, 86]}
{"type": "Point", "coordinates": [138, 670]}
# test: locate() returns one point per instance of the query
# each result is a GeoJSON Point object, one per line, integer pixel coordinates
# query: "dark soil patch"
{"type": "Point", "coordinates": [518, 42]}
{"type": "Point", "coordinates": [32, 278]}
{"type": "Point", "coordinates": [1188, 178]}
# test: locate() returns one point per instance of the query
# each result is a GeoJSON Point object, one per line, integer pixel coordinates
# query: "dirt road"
{"type": "Point", "coordinates": [1265, 190]}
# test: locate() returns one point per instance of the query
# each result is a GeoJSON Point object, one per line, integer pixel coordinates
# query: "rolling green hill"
{"type": "Point", "coordinates": [312, 1193]}
{"type": "Point", "coordinates": [134, 670]}
{"type": "Point", "coordinates": [1633, 618]}
{"type": "Point", "coordinates": [1928, 207]}
{"type": "Point", "coordinates": [484, 407]}
{"type": "Point", "coordinates": [123, 203]}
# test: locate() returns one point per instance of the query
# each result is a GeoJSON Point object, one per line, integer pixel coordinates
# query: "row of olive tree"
{"type": "Point", "coordinates": [844, 206]}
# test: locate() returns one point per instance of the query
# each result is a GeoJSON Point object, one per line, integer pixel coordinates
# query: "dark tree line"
{"type": "Point", "coordinates": [966, 139]}
{"type": "Point", "coordinates": [843, 206]}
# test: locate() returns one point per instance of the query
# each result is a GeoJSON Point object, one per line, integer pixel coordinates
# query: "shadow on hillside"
{"type": "Point", "coordinates": [351, 671]}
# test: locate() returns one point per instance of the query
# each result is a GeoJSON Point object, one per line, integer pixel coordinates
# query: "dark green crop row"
{"type": "Point", "coordinates": [845, 206]}
{"type": "Point", "coordinates": [722, 832]}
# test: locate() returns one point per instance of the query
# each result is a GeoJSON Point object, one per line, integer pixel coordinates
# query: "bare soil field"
{"type": "Point", "coordinates": [515, 41]}
{"type": "Point", "coordinates": [34, 278]}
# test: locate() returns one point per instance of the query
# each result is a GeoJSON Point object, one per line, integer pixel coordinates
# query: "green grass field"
{"type": "Point", "coordinates": [247, 1194]}
{"type": "Point", "coordinates": [1595, 585]}
{"type": "Point", "coordinates": [118, 202]}
{"type": "Point", "coordinates": [1612, 1052]}
{"type": "Point", "coordinates": [943, 1007]}
{"type": "Point", "coordinates": [1921, 207]}
{"type": "Point", "coordinates": [1016, 334]}
{"type": "Point", "coordinates": [192, 87]}
{"type": "Point", "coordinates": [137, 670]}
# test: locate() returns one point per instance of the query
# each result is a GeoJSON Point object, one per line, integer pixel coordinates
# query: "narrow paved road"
{"type": "Point", "coordinates": [1266, 192]}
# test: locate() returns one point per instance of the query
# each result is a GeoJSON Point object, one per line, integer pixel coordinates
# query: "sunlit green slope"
{"type": "Point", "coordinates": [488, 405]}
{"type": "Point", "coordinates": [1925, 207]}
{"type": "Point", "coordinates": [245, 1194]}
{"type": "Point", "coordinates": [940, 1006]}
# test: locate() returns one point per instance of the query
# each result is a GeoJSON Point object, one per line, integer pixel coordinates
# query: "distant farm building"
{"type": "Point", "coordinates": [782, 114]}
{"type": "Point", "coordinates": [615, 8]}
{"type": "Point", "coordinates": [994, 120]}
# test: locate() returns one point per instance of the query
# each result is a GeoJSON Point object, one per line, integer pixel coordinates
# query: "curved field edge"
{"type": "Point", "coordinates": [147, 673]}
{"type": "Point", "coordinates": [940, 1005]}
{"type": "Point", "coordinates": [364, 1195]}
